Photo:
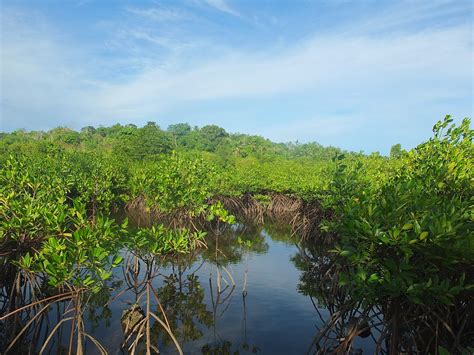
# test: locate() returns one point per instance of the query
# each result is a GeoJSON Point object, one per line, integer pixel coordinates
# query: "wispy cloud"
{"type": "Point", "coordinates": [406, 16]}
{"type": "Point", "coordinates": [42, 80]}
{"type": "Point", "coordinates": [324, 65]}
{"type": "Point", "coordinates": [382, 80]}
{"type": "Point", "coordinates": [223, 6]}
{"type": "Point", "coordinates": [160, 14]}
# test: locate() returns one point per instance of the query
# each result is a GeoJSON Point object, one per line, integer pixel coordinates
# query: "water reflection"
{"type": "Point", "coordinates": [253, 290]}
{"type": "Point", "coordinates": [344, 323]}
{"type": "Point", "coordinates": [182, 299]}
{"type": "Point", "coordinates": [229, 246]}
{"type": "Point", "coordinates": [98, 310]}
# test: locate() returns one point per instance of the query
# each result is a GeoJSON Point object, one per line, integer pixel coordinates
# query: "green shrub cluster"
{"type": "Point", "coordinates": [404, 224]}
{"type": "Point", "coordinates": [411, 236]}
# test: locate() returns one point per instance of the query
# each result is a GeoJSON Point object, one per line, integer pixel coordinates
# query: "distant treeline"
{"type": "Point", "coordinates": [150, 140]}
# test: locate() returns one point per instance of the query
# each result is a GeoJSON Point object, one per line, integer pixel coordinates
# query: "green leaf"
{"type": "Point", "coordinates": [345, 253]}
{"type": "Point", "coordinates": [117, 260]}
{"type": "Point", "coordinates": [373, 278]}
{"type": "Point", "coordinates": [423, 235]}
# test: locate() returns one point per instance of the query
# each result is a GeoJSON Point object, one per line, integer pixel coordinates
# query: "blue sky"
{"type": "Point", "coordinates": [361, 75]}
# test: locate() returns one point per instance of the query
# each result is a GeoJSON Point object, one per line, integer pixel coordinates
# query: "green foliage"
{"type": "Point", "coordinates": [174, 182]}
{"type": "Point", "coordinates": [404, 224]}
{"type": "Point", "coordinates": [81, 259]}
{"type": "Point", "coordinates": [248, 175]}
{"type": "Point", "coordinates": [32, 204]}
{"type": "Point", "coordinates": [179, 129]}
{"type": "Point", "coordinates": [141, 143]}
{"type": "Point", "coordinates": [411, 238]}
{"type": "Point", "coordinates": [396, 151]}
{"type": "Point", "coordinates": [217, 212]}
{"type": "Point", "coordinates": [159, 240]}
{"type": "Point", "coordinates": [54, 212]}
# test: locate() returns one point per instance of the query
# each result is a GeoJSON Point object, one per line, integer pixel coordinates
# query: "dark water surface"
{"type": "Point", "coordinates": [274, 316]}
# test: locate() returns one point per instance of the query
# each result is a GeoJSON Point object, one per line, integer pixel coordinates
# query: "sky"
{"type": "Point", "coordinates": [360, 75]}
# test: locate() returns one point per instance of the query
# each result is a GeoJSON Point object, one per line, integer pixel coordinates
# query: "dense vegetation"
{"type": "Point", "coordinates": [400, 227]}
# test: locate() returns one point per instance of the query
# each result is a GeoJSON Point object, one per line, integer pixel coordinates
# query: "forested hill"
{"type": "Point", "coordinates": [150, 140]}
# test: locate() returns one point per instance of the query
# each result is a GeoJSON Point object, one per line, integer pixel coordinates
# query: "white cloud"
{"type": "Point", "coordinates": [42, 82]}
{"type": "Point", "coordinates": [325, 66]}
{"type": "Point", "coordinates": [223, 6]}
{"type": "Point", "coordinates": [47, 82]}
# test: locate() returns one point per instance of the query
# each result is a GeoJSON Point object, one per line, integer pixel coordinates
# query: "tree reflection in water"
{"type": "Point", "coordinates": [179, 295]}
{"type": "Point", "coordinates": [172, 301]}
{"type": "Point", "coordinates": [225, 249]}
{"type": "Point", "coordinates": [348, 320]}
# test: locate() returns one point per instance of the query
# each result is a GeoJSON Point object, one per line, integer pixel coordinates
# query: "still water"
{"type": "Point", "coordinates": [247, 298]}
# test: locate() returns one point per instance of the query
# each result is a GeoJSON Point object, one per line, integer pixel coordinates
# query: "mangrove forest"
{"type": "Point", "coordinates": [142, 240]}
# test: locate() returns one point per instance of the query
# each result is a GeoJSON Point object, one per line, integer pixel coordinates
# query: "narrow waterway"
{"type": "Point", "coordinates": [246, 298]}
